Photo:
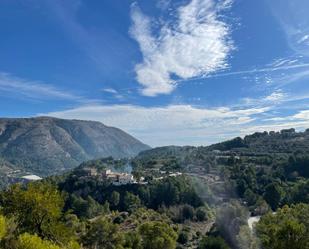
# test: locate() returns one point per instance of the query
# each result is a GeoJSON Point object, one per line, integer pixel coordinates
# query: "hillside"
{"type": "Point", "coordinates": [285, 141]}
{"type": "Point", "coordinates": [266, 157]}
{"type": "Point", "coordinates": [47, 145]}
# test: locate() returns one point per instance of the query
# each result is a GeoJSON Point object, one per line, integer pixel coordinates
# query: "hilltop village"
{"type": "Point", "coordinates": [122, 178]}
{"type": "Point", "coordinates": [116, 178]}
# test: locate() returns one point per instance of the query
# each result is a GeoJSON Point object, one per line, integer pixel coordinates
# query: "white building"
{"type": "Point", "coordinates": [123, 179]}
{"type": "Point", "coordinates": [31, 177]}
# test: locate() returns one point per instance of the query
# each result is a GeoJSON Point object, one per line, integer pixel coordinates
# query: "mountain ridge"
{"type": "Point", "coordinates": [59, 144]}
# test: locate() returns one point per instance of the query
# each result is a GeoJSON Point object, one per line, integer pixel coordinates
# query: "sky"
{"type": "Point", "coordinates": [182, 72]}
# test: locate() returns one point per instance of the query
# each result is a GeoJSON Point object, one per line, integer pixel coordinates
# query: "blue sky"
{"type": "Point", "coordinates": [166, 71]}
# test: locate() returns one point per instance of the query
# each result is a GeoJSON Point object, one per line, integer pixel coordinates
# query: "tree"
{"type": "Point", "coordinates": [213, 243]}
{"type": "Point", "coordinates": [37, 209]}
{"type": "Point", "coordinates": [261, 207]}
{"type": "Point", "coordinates": [157, 235]}
{"type": "Point", "coordinates": [250, 197]}
{"type": "Point", "coordinates": [132, 240]}
{"type": "Point", "coordinates": [299, 192]}
{"type": "Point", "coordinates": [114, 199]}
{"type": "Point", "coordinates": [183, 237]}
{"type": "Point", "coordinates": [103, 234]}
{"type": "Point", "coordinates": [273, 195]}
{"type": "Point", "coordinates": [201, 214]}
{"type": "Point", "coordinates": [2, 227]}
{"type": "Point", "coordinates": [287, 228]}
{"type": "Point", "coordinates": [187, 212]}
{"type": "Point", "coordinates": [131, 202]}
{"type": "Point", "coordinates": [94, 208]}
{"type": "Point", "coordinates": [7, 232]}
{"type": "Point", "coordinates": [28, 241]}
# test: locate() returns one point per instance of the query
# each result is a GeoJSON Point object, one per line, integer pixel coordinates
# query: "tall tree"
{"type": "Point", "coordinates": [103, 234]}
{"type": "Point", "coordinates": [273, 195]}
{"type": "Point", "coordinates": [157, 235]}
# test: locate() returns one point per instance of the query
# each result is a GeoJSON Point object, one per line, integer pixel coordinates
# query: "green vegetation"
{"type": "Point", "coordinates": [287, 228]}
{"type": "Point", "coordinates": [192, 197]}
{"type": "Point", "coordinates": [213, 243]}
{"type": "Point", "coordinates": [2, 227]}
{"type": "Point", "coordinates": [157, 235]}
{"type": "Point", "coordinates": [42, 215]}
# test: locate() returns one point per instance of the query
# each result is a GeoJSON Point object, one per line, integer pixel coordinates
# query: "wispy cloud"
{"type": "Point", "coordinates": [34, 89]}
{"type": "Point", "coordinates": [197, 43]}
{"type": "Point", "coordinates": [253, 71]}
{"type": "Point", "coordinates": [110, 90]}
{"type": "Point", "coordinates": [302, 115]}
{"type": "Point", "coordinates": [173, 124]}
{"type": "Point", "coordinates": [116, 94]}
{"type": "Point", "coordinates": [299, 120]}
{"type": "Point", "coordinates": [275, 98]}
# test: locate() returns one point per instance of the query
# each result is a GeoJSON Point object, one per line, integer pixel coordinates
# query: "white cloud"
{"type": "Point", "coordinates": [33, 89]}
{"type": "Point", "coordinates": [187, 124]}
{"type": "Point", "coordinates": [300, 120]}
{"type": "Point", "coordinates": [196, 44]}
{"type": "Point", "coordinates": [110, 90]}
{"type": "Point", "coordinates": [304, 39]}
{"type": "Point", "coordinates": [276, 96]}
{"type": "Point", "coordinates": [304, 115]}
{"type": "Point", "coordinates": [271, 68]}
{"type": "Point", "coordinates": [115, 94]}
{"type": "Point", "coordinates": [174, 124]}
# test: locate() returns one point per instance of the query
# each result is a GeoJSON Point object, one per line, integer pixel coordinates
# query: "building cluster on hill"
{"type": "Point", "coordinates": [116, 178]}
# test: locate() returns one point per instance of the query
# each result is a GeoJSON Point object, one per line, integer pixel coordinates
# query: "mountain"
{"type": "Point", "coordinates": [46, 145]}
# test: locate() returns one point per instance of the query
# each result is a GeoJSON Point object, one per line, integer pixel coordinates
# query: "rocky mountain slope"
{"type": "Point", "coordinates": [46, 145]}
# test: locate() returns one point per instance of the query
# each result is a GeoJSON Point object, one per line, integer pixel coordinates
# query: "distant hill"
{"type": "Point", "coordinates": [46, 145]}
{"type": "Point", "coordinates": [285, 141]}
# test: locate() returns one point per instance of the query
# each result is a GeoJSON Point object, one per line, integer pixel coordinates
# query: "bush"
{"type": "Point", "coordinates": [213, 243]}
{"type": "Point", "coordinates": [183, 237]}
{"type": "Point", "coordinates": [201, 214]}
{"type": "Point", "coordinates": [187, 212]}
